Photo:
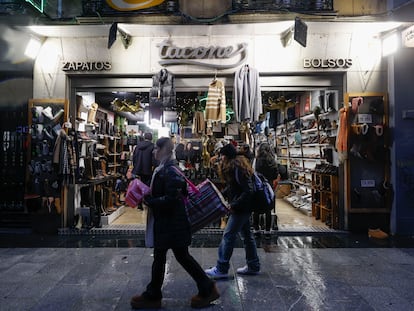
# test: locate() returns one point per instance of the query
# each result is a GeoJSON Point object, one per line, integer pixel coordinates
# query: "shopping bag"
{"type": "Point", "coordinates": [136, 192]}
{"type": "Point", "coordinates": [205, 205]}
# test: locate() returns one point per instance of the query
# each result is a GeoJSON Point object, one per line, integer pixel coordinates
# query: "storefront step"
{"type": "Point", "coordinates": [140, 230]}
{"type": "Point", "coordinates": [107, 220]}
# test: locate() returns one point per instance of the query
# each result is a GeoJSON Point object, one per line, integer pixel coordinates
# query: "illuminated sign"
{"type": "Point", "coordinates": [38, 4]}
{"type": "Point", "coordinates": [132, 5]}
{"type": "Point", "coordinates": [201, 55]}
{"type": "Point", "coordinates": [408, 37]}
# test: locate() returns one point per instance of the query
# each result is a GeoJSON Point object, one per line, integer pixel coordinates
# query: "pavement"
{"type": "Point", "coordinates": [298, 273]}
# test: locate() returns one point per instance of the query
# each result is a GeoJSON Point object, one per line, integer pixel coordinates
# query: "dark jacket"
{"type": "Point", "coordinates": [268, 168]}
{"type": "Point", "coordinates": [143, 158]}
{"type": "Point", "coordinates": [240, 192]}
{"type": "Point", "coordinates": [171, 226]}
{"type": "Point", "coordinates": [162, 93]}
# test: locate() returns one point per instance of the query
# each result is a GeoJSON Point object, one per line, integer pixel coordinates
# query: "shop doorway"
{"type": "Point", "coordinates": [299, 145]}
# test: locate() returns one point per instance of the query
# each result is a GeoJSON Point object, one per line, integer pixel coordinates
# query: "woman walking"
{"type": "Point", "coordinates": [237, 173]}
{"type": "Point", "coordinates": [267, 166]}
{"type": "Point", "coordinates": [171, 230]}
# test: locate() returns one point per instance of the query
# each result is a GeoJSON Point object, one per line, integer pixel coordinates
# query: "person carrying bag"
{"type": "Point", "coordinates": [168, 228]}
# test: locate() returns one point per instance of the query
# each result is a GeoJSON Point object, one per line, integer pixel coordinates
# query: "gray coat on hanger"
{"type": "Point", "coordinates": [247, 97]}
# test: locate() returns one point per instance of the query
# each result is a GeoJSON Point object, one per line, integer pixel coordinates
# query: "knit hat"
{"type": "Point", "coordinates": [229, 151]}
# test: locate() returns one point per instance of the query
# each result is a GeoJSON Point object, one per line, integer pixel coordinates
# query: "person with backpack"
{"type": "Point", "coordinates": [237, 173]}
{"type": "Point", "coordinates": [265, 165]}
{"type": "Point", "coordinates": [170, 230]}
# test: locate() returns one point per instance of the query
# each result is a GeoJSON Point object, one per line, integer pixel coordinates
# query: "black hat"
{"type": "Point", "coordinates": [229, 151]}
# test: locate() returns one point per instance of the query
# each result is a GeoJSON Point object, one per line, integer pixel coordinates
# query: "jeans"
{"type": "Point", "coordinates": [204, 283]}
{"type": "Point", "coordinates": [235, 224]}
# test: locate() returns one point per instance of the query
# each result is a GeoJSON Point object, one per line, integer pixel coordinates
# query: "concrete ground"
{"type": "Point", "coordinates": [104, 278]}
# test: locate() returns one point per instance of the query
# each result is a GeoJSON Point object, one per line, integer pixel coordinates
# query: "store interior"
{"type": "Point", "coordinates": [109, 124]}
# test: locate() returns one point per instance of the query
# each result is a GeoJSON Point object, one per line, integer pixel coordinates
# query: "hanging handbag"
{"type": "Point", "coordinates": [136, 192]}
{"type": "Point", "coordinates": [204, 204]}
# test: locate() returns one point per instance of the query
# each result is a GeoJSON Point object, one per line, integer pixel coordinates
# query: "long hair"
{"type": "Point", "coordinates": [228, 168]}
{"type": "Point", "coordinates": [264, 152]}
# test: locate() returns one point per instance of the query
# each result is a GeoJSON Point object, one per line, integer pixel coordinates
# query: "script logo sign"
{"type": "Point", "coordinates": [201, 56]}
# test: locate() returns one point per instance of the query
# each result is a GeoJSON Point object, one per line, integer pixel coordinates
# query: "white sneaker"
{"type": "Point", "coordinates": [247, 271]}
{"type": "Point", "coordinates": [214, 273]}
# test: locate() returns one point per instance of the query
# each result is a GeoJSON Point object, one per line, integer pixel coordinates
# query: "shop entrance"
{"type": "Point", "coordinates": [307, 195]}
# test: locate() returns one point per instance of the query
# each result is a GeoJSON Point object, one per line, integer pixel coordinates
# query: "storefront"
{"type": "Point", "coordinates": [342, 62]}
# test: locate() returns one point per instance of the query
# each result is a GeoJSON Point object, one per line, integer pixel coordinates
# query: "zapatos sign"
{"type": "Point", "coordinates": [204, 56]}
{"type": "Point", "coordinates": [87, 66]}
{"type": "Point", "coordinates": [327, 63]}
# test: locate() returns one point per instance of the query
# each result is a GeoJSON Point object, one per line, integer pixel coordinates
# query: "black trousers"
{"type": "Point", "coordinates": [204, 283]}
{"type": "Point", "coordinates": [256, 220]}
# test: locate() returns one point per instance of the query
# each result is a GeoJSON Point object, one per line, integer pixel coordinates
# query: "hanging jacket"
{"type": "Point", "coordinates": [247, 96]}
{"type": "Point", "coordinates": [216, 102]}
{"type": "Point", "coordinates": [162, 93]}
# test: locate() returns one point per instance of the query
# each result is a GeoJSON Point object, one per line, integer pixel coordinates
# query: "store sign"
{"type": "Point", "coordinates": [202, 55]}
{"type": "Point", "coordinates": [408, 37]}
{"type": "Point", "coordinates": [86, 66]}
{"type": "Point", "coordinates": [327, 63]}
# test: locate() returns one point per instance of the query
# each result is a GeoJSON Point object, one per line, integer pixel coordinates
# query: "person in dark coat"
{"type": "Point", "coordinates": [267, 166]}
{"type": "Point", "coordinates": [143, 159]}
{"type": "Point", "coordinates": [236, 171]}
{"type": "Point", "coordinates": [171, 230]}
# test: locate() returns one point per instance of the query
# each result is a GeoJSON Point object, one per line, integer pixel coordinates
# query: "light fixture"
{"type": "Point", "coordinates": [287, 36]}
{"type": "Point", "coordinates": [126, 38]}
{"type": "Point", "coordinates": [33, 48]}
{"type": "Point", "coordinates": [390, 44]}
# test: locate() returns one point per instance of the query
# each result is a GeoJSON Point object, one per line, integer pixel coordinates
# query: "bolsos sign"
{"type": "Point", "coordinates": [327, 63]}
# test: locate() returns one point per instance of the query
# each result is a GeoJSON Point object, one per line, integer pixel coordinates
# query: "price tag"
{"type": "Point", "coordinates": [367, 183]}
{"type": "Point", "coordinates": [364, 118]}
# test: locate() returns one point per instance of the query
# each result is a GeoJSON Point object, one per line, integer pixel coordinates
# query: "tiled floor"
{"type": "Point", "coordinates": [66, 279]}
{"type": "Point", "coordinates": [288, 217]}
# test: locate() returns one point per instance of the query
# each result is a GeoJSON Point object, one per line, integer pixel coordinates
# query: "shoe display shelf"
{"type": "Point", "coordinates": [47, 120]}
{"type": "Point", "coordinates": [325, 195]}
{"type": "Point", "coordinates": [367, 184]}
{"type": "Point", "coordinates": [302, 144]}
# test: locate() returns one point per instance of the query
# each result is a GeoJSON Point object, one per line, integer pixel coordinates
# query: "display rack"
{"type": "Point", "coordinates": [367, 169]}
{"type": "Point", "coordinates": [302, 145]}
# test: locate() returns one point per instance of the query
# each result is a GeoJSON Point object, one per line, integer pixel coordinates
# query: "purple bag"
{"type": "Point", "coordinates": [136, 192]}
{"type": "Point", "coordinates": [204, 204]}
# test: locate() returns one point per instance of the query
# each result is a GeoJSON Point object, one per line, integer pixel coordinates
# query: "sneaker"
{"type": "Point", "coordinates": [214, 273]}
{"type": "Point", "coordinates": [247, 271]}
{"type": "Point", "coordinates": [141, 302]}
{"type": "Point", "coordinates": [48, 113]}
{"type": "Point", "coordinates": [199, 302]}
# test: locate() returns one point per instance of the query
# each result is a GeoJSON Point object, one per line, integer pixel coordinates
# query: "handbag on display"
{"type": "Point", "coordinates": [204, 204]}
{"type": "Point", "coordinates": [136, 192]}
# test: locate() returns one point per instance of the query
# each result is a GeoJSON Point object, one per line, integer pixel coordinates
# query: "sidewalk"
{"type": "Point", "coordinates": [90, 279]}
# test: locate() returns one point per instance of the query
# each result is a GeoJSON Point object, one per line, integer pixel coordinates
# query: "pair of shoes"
{"type": "Point", "coordinates": [142, 302]}
{"type": "Point", "coordinates": [198, 302]}
{"type": "Point", "coordinates": [247, 271]}
{"type": "Point", "coordinates": [215, 274]}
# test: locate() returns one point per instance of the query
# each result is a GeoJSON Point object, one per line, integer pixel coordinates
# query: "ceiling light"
{"type": "Point", "coordinates": [390, 44]}
{"type": "Point", "coordinates": [33, 48]}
